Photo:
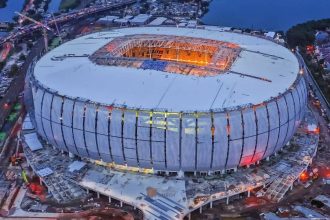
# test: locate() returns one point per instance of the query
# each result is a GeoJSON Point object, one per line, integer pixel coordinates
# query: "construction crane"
{"type": "Point", "coordinates": [57, 30]}
{"type": "Point", "coordinates": [16, 159]}
{"type": "Point", "coordinates": [43, 26]}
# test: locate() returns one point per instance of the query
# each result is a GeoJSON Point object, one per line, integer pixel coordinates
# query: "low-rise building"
{"type": "Point", "coordinates": [140, 19]}
{"type": "Point", "coordinates": [321, 36]}
{"type": "Point", "coordinates": [270, 34]}
{"type": "Point", "coordinates": [107, 19]}
{"type": "Point", "coordinates": [158, 21]}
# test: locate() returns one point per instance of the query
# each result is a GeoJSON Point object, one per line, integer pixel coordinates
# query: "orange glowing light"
{"type": "Point", "coordinates": [228, 129]}
{"type": "Point", "coordinates": [314, 131]}
{"type": "Point", "coordinates": [303, 176]}
{"type": "Point", "coordinates": [213, 130]}
{"type": "Point", "coordinates": [246, 160]}
{"type": "Point", "coordinates": [317, 130]}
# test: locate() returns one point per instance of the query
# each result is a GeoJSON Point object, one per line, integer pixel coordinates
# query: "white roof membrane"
{"type": "Point", "coordinates": [151, 89]}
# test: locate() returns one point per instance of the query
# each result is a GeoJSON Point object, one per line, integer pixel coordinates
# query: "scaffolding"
{"type": "Point", "coordinates": [175, 54]}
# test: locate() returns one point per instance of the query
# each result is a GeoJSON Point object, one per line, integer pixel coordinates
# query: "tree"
{"type": "Point", "coordinates": [14, 70]}
{"type": "Point", "coordinates": [18, 49]}
{"type": "Point", "coordinates": [29, 45]}
{"type": "Point", "coordinates": [22, 57]}
{"type": "Point", "coordinates": [3, 3]}
{"type": "Point", "coordinates": [2, 65]}
{"type": "Point", "coordinates": [303, 34]}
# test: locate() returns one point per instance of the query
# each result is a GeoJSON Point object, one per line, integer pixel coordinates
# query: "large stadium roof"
{"type": "Point", "coordinates": [78, 76]}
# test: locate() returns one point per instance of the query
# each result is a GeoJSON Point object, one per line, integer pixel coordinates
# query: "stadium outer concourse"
{"type": "Point", "coordinates": [169, 99]}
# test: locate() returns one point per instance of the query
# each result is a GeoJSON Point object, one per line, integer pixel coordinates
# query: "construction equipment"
{"type": "Point", "coordinates": [16, 159]}
{"type": "Point", "coordinates": [57, 30]}
{"type": "Point", "coordinates": [43, 26]}
{"type": "Point", "coordinates": [36, 190]}
{"type": "Point", "coordinates": [24, 176]}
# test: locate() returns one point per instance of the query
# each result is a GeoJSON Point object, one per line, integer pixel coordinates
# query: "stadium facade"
{"type": "Point", "coordinates": [170, 99]}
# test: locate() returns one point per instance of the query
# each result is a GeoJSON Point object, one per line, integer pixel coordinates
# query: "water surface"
{"type": "Point", "coordinates": [7, 13]}
{"type": "Point", "coordinates": [265, 14]}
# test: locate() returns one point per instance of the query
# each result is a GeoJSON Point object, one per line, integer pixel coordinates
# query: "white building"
{"type": "Point", "coordinates": [140, 19]}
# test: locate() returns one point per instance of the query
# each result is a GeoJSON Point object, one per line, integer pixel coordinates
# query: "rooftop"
{"type": "Point", "coordinates": [262, 70]}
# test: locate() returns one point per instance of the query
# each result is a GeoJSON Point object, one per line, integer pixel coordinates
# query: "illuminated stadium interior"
{"type": "Point", "coordinates": [176, 54]}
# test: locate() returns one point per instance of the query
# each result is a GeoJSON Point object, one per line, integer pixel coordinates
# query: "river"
{"type": "Point", "coordinates": [7, 13]}
{"type": "Point", "coordinates": [265, 14]}
{"type": "Point", "coordinates": [254, 14]}
{"type": "Point", "coordinates": [54, 6]}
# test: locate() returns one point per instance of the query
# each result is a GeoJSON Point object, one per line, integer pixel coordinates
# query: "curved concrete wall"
{"type": "Point", "coordinates": [169, 141]}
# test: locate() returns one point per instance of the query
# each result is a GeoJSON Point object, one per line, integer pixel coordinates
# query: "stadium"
{"type": "Point", "coordinates": [169, 99]}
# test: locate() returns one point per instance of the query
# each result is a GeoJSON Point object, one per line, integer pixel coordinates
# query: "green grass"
{"type": "Point", "coordinates": [2, 136]}
{"type": "Point", "coordinates": [12, 117]}
{"type": "Point", "coordinates": [3, 3]}
{"type": "Point", "coordinates": [17, 107]}
{"type": "Point", "coordinates": [55, 42]}
{"type": "Point", "coordinates": [69, 4]}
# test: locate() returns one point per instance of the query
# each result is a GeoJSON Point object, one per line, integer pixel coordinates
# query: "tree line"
{"type": "Point", "coordinates": [304, 34]}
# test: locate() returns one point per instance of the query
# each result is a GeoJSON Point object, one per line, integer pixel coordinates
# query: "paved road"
{"type": "Point", "coordinates": [17, 85]}
{"type": "Point", "coordinates": [9, 148]}
{"type": "Point", "coordinates": [74, 14]}
{"type": "Point", "coordinates": [311, 81]}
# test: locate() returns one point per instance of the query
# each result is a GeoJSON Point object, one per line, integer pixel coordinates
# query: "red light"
{"type": "Point", "coordinates": [246, 160]}
{"type": "Point", "coordinates": [303, 176]}
{"type": "Point", "coordinates": [228, 129]}
{"type": "Point", "coordinates": [110, 108]}
{"type": "Point", "coordinates": [6, 106]}
{"type": "Point", "coordinates": [315, 131]}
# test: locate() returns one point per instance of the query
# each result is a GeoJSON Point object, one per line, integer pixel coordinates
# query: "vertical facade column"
{"type": "Point", "coordinates": [109, 134]}
{"type": "Point", "coordinates": [41, 114]}
{"type": "Point", "coordinates": [84, 129]}
{"type": "Point", "coordinates": [122, 135]}
{"type": "Point", "coordinates": [51, 124]}
{"type": "Point", "coordinates": [95, 129]}
{"type": "Point", "coordinates": [150, 139]}
{"type": "Point", "coordinates": [212, 136]}
{"type": "Point", "coordinates": [72, 128]}
{"type": "Point", "coordinates": [180, 140]}
{"type": "Point", "coordinates": [243, 137]}
{"type": "Point", "coordinates": [196, 139]}
{"type": "Point", "coordinates": [228, 137]}
{"type": "Point", "coordinates": [268, 131]}
{"type": "Point", "coordinates": [62, 132]}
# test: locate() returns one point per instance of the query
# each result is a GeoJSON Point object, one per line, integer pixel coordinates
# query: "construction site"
{"type": "Point", "coordinates": [150, 154]}
{"type": "Point", "coordinates": [37, 191]}
{"type": "Point", "coordinates": [55, 178]}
